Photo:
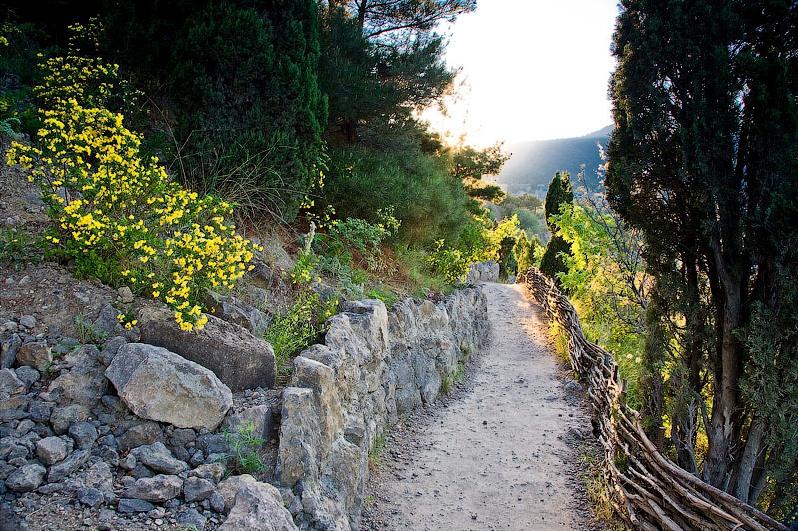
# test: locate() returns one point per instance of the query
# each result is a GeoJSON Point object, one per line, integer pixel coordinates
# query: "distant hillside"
{"type": "Point", "coordinates": [533, 164]}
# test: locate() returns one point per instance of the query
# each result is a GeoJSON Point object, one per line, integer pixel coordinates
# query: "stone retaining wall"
{"type": "Point", "coordinates": [373, 367]}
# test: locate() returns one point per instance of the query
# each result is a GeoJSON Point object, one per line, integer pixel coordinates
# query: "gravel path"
{"type": "Point", "coordinates": [503, 452]}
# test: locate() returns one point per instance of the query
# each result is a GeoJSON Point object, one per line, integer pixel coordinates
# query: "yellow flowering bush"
{"type": "Point", "coordinates": [117, 213]}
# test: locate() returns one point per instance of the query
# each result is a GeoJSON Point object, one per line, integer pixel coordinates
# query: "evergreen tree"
{"type": "Point", "coordinates": [560, 193]}
{"type": "Point", "coordinates": [703, 162]}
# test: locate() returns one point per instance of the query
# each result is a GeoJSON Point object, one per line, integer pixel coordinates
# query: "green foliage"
{"type": "Point", "coordinates": [88, 333]}
{"type": "Point", "coordinates": [449, 381]}
{"type": "Point", "coordinates": [711, 182]}
{"type": "Point", "coordinates": [18, 248]}
{"type": "Point", "coordinates": [296, 328]}
{"type": "Point", "coordinates": [606, 285]}
{"type": "Point", "coordinates": [428, 202]}
{"type": "Point", "coordinates": [450, 264]}
{"type": "Point", "coordinates": [558, 197]}
{"type": "Point", "coordinates": [244, 456]}
{"type": "Point", "coordinates": [377, 449]}
{"type": "Point", "coordinates": [386, 296]}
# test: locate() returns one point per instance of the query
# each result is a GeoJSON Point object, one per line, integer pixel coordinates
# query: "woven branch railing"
{"type": "Point", "coordinates": [649, 491]}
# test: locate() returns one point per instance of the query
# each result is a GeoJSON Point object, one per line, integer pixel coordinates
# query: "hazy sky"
{"type": "Point", "coordinates": [531, 70]}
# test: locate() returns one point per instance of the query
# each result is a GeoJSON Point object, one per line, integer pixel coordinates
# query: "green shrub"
{"type": "Point", "coordinates": [115, 213]}
{"type": "Point", "coordinates": [450, 264]}
{"type": "Point", "coordinates": [429, 203]}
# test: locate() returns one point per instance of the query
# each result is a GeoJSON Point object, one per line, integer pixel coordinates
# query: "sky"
{"type": "Point", "coordinates": [530, 70]}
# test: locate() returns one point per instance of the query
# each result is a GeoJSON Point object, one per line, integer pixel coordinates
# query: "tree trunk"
{"type": "Point", "coordinates": [745, 470]}
{"type": "Point", "coordinates": [723, 424]}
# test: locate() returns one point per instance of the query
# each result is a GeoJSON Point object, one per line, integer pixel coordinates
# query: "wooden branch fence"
{"type": "Point", "coordinates": [648, 490]}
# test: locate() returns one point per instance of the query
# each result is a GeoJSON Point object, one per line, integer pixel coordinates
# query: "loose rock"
{"type": "Point", "coordinates": [160, 385]}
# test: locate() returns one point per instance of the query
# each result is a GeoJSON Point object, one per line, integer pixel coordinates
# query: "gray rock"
{"type": "Point", "coordinates": [133, 505]}
{"type": "Point", "coordinates": [62, 417]}
{"type": "Point", "coordinates": [212, 471]}
{"type": "Point", "coordinates": [128, 462]}
{"type": "Point", "coordinates": [213, 443]}
{"type": "Point", "coordinates": [28, 321]}
{"type": "Point", "coordinates": [35, 354]}
{"type": "Point", "coordinates": [230, 487]}
{"type": "Point", "coordinates": [158, 457]}
{"type": "Point", "coordinates": [91, 497]}
{"type": "Point", "coordinates": [231, 309]}
{"type": "Point", "coordinates": [28, 375]}
{"type": "Point", "coordinates": [106, 323]}
{"type": "Point", "coordinates": [84, 434]}
{"type": "Point", "coordinates": [156, 489]}
{"type": "Point", "coordinates": [216, 502]}
{"type": "Point", "coordinates": [183, 436]}
{"type": "Point", "coordinates": [40, 411]}
{"type": "Point", "coordinates": [8, 351]}
{"type": "Point", "coordinates": [110, 349]}
{"type": "Point", "coordinates": [197, 489]}
{"type": "Point", "coordinates": [258, 506]}
{"type": "Point", "coordinates": [27, 478]}
{"type": "Point", "coordinates": [141, 471]}
{"type": "Point", "coordinates": [191, 518]}
{"type": "Point", "coordinates": [73, 462]}
{"type": "Point", "coordinates": [160, 385]}
{"type": "Point", "coordinates": [52, 450]}
{"type": "Point", "coordinates": [99, 476]}
{"type": "Point", "coordinates": [139, 435]}
{"type": "Point", "coordinates": [24, 427]}
{"type": "Point", "coordinates": [85, 383]}
{"type": "Point", "coordinates": [483, 272]}
{"type": "Point", "coordinates": [238, 358]}
{"type": "Point", "coordinates": [256, 420]}
{"type": "Point", "coordinates": [125, 294]}
{"type": "Point", "coordinates": [10, 384]}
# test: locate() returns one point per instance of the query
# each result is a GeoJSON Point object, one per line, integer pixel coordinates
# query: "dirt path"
{"type": "Point", "coordinates": [498, 454]}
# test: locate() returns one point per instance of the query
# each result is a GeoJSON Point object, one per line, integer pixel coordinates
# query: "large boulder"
{"type": "Point", "coordinates": [258, 507]}
{"type": "Point", "coordinates": [238, 358]}
{"type": "Point", "coordinates": [160, 385]}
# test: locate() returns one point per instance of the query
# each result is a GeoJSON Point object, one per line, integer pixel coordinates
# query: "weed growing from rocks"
{"type": "Point", "coordinates": [88, 333]}
{"type": "Point", "coordinates": [244, 445]}
{"type": "Point", "coordinates": [18, 248]}
{"type": "Point", "coordinates": [295, 329]}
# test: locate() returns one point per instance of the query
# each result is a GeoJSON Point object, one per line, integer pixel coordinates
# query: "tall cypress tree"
{"type": "Point", "coordinates": [560, 193]}
{"type": "Point", "coordinates": [703, 162]}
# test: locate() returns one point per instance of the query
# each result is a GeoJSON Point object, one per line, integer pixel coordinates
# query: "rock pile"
{"type": "Point", "coordinates": [125, 431]}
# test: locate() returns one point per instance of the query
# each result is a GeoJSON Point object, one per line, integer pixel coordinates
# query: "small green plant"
{"type": "Point", "coordinates": [18, 248]}
{"type": "Point", "coordinates": [304, 269]}
{"type": "Point", "coordinates": [447, 385]}
{"type": "Point", "coordinates": [88, 333]}
{"type": "Point", "coordinates": [599, 494]}
{"type": "Point", "coordinates": [377, 449]}
{"type": "Point", "coordinates": [295, 329]}
{"type": "Point", "coordinates": [244, 457]}
{"type": "Point", "coordinates": [388, 297]}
